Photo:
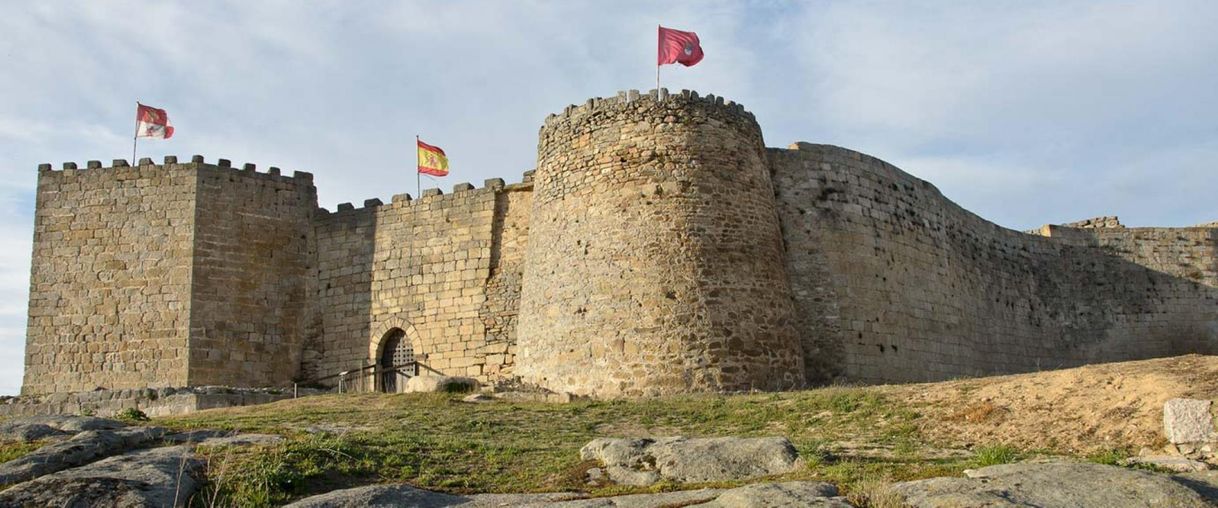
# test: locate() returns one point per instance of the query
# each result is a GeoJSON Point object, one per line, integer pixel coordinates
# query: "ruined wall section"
{"type": "Point", "coordinates": [253, 276]}
{"type": "Point", "coordinates": [111, 277]}
{"type": "Point", "coordinates": [903, 285]}
{"type": "Point", "coordinates": [654, 264]}
{"type": "Point", "coordinates": [1185, 253]}
{"type": "Point", "coordinates": [500, 311]}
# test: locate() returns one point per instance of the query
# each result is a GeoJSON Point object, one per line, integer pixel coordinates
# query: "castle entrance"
{"type": "Point", "coordinates": [397, 361]}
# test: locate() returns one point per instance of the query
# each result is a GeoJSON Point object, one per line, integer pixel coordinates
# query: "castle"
{"type": "Point", "coordinates": [659, 247]}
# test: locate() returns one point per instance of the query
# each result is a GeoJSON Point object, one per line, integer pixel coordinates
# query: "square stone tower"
{"type": "Point", "coordinates": [168, 275]}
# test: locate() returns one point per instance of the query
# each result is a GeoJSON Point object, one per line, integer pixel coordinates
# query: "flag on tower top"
{"type": "Point", "coordinates": [679, 47]}
{"type": "Point", "coordinates": [152, 122]}
{"type": "Point", "coordinates": [432, 160]}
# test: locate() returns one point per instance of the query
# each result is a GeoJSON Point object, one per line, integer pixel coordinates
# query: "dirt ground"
{"type": "Point", "coordinates": [1081, 410]}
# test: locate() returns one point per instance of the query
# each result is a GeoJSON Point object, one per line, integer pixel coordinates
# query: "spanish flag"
{"type": "Point", "coordinates": [432, 160]}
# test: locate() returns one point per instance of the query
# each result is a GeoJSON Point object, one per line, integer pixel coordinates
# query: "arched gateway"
{"type": "Point", "coordinates": [396, 361]}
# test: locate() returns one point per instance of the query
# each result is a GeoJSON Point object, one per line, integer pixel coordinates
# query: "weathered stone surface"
{"type": "Point", "coordinates": [160, 477]}
{"type": "Point", "coordinates": [31, 428]}
{"type": "Point", "coordinates": [152, 402]}
{"type": "Point", "coordinates": [1051, 484]}
{"type": "Point", "coordinates": [425, 384]}
{"type": "Point", "coordinates": [790, 494]}
{"type": "Point", "coordinates": [615, 179]}
{"type": "Point", "coordinates": [74, 424]}
{"type": "Point", "coordinates": [1169, 462]}
{"type": "Point", "coordinates": [645, 461]}
{"type": "Point", "coordinates": [140, 265]}
{"type": "Point", "coordinates": [1188, 421]}
{"type": "Point", "coordinates": [27, 431]}
{"type": "Point", "coordinates": [85, 447]}
{"type": "Point", "coordinates": [385, 496]}
{"type": "Point", "coordinates": [479, 398]}
{"type": "Point", "coordinates": [879, 259]}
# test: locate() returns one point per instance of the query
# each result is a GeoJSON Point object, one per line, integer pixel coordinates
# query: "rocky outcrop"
{"type": "Point", "coordinates": [85, 447]}
{"type": "Point", "coordinates": [1050, 484]}
{"type": "Point", "coordinates": [751, 496]}
{"type": "Point", "coordinates": [99, 462]}
{"type": "Point", "coordinates": [646, 461]}
{"type": "Point", "coordinates": [160, 477]}
{"type": "Point", "coordinates": [33, 428]}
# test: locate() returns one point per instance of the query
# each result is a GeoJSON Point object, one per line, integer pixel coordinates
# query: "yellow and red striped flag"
{"type": "Point", "coordinates": [432, 160]}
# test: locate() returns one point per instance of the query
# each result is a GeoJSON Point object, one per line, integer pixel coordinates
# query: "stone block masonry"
{"type": "Point", "coordinates": [444, 270]}
{"type": "Point", "coordinates": [655, 260]}
{"type": "Point", "coordinates": [893, 282]}
{"type": "Point", "coordinates": [110, 283]}
{"type": "Point", "coordinates": [660, 249]}
{"type": "Point", "coordinates": [184, 273]}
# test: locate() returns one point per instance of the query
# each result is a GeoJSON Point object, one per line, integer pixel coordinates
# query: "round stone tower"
{"type": "Point", "coordinates": [655, 260]}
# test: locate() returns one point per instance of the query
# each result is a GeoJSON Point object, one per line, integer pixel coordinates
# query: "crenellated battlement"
{"type": "Point", "coordinates": [431, 195]}
{"type": "Point", "coordinates": [627, 100]}
{"type": "Point", "coordinates": [172, 162]}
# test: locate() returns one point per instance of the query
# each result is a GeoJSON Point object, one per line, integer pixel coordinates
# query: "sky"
{"type": "Point", "coordinates": [1024, 112]}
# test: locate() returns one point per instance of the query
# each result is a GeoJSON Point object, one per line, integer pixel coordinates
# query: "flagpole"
{"type": "Point", "coordinates": [658, 27]}
{"type": "Point", "coordinates": [136, 137]}
{"type": "Point", "coordinates": [418, 180]}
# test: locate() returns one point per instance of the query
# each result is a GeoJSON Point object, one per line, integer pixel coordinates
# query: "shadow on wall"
{"type": "Point", "coordinates": [895, 283]}
{"type": "Point", "coordinates": [346, 241]}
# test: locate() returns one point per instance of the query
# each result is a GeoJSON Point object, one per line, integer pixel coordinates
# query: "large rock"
{"type": "Point", "coordinates": [160, 477]}
{"type": "Point", "coordinates": [28, 431]}
{"type": "Point", "coordinates": [774, 495]}
{"type": "Point", "coordinates": [450, 384]}
{"type": "Point", "coordinates": [1048, 485]}
{"type": "Point", "coordinates": [646, 461]}
{"type": "Point", "coordinates": [1169, 462]}
{"type": "Point", "coordinates": [33, 428]}
{"type": "Point", "coordinates": [82, 448]}
{"type": "Point", "coordinates": [1188, 421]}
{"type": "Point", "coordinates": [384, 496]}
{"type": "Point", "coordinates": [791, 494]}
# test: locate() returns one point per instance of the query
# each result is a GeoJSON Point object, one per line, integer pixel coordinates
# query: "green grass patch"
{"type": "Point", "coordinates": [13, 450]}
{"type": "Point", "coordinates": [435, 441]}
{"type": "Point", "coordinates": [995, 455]}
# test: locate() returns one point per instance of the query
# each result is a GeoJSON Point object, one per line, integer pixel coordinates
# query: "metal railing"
{"type": "Point", "coordinates": [373, 378]}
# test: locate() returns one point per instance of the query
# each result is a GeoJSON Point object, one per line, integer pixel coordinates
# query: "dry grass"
{"type": "Point", "coordinates": [859, 438]}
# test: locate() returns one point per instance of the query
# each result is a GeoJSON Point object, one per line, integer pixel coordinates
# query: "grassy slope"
{"type": "Point", "coordinates": [438, 442]}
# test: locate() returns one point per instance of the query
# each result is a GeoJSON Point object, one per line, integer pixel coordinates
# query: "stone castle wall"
{"type": "Point", "coordinates": [111, 277]}
{"type": "Point", "coordinates": [894, 283]}
{"type": "Point", "coordinates": [138, 272]}
{"type": "Point", "coordinates": [253, 258]}
{"type": "Point", "coordinates": [660, 249]}
{"type": "Point", "coordinates": [444, 269]}
{"type": "Point", "coordinates": [655, 261]}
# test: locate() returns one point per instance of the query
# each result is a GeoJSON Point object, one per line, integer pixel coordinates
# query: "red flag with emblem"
{"type": "Point", "coordinates": [679, 47]}
{"type": "Point", "coordinates": [152, 122]}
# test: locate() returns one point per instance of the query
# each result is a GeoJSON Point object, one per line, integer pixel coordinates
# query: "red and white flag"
{"type": "Point", "coordinates": [152, 123]}
{"type": "Point", "coordinates": [679, 47]}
